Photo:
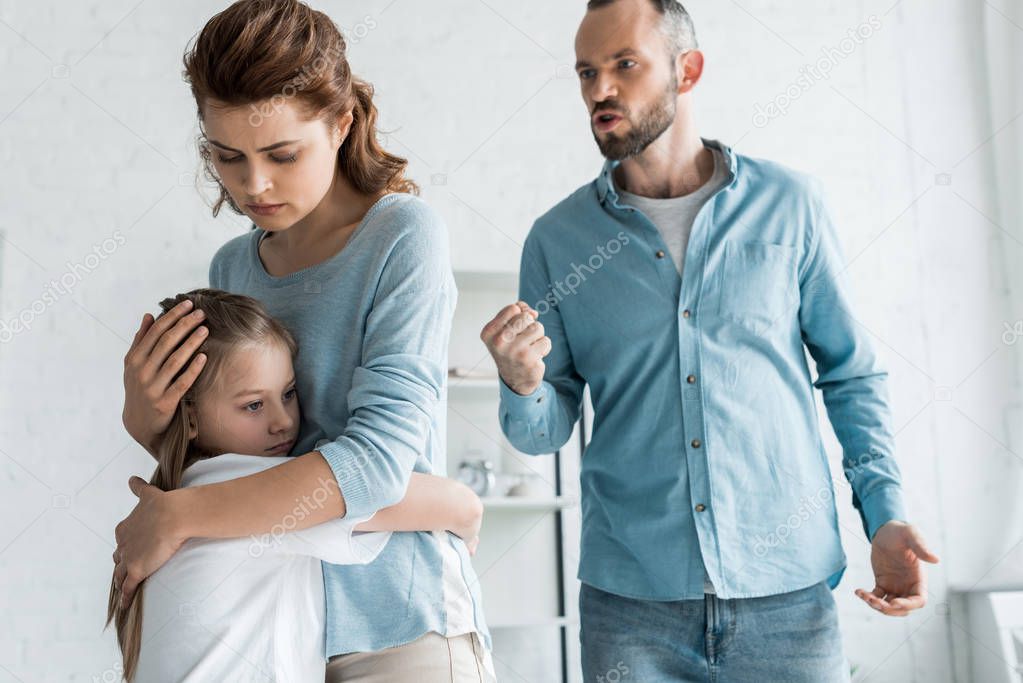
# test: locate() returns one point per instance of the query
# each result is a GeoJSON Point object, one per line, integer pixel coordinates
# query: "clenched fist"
{"type": "Point", "coordinates": [516, 340]}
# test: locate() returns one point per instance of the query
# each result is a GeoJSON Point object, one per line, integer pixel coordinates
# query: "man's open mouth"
{"type": "Point", "coordinates": [605, 121]}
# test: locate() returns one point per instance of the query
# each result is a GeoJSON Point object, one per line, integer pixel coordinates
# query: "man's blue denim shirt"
{"type": "Point", "coordinates": [705, 449]}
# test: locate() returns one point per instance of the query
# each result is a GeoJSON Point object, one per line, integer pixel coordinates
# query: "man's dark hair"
{"type": "Point", "coordinates": [676, 23]}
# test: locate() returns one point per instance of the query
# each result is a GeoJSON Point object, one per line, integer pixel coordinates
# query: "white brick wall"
{"type": "Point", "coordinates": [96, 137]}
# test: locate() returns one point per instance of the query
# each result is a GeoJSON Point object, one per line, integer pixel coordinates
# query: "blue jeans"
{"type": "Point", "coordinates": [787, 638]}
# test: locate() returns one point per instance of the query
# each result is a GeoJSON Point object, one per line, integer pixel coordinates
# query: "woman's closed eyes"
{"type": "Point", "coordinates": [280, 160]}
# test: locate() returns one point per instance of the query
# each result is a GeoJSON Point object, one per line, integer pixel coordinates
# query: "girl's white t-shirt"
{"type": "Point", "coordinates": [247, 609]}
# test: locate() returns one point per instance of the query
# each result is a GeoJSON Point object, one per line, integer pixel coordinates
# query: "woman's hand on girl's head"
{"type": "Point", "coordinates": [157, 354]}
{"type": "Point", "coordinates": [146, 538]}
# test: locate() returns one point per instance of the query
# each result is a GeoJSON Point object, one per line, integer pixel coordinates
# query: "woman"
{"type": "Point", "coordinates": [357, 267]}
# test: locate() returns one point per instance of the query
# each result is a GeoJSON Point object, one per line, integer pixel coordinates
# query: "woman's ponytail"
{"type": "Point", "coordinates": [367, 165]}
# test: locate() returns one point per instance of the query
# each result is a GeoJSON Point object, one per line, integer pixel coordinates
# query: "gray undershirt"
{"type": "Point", "coordinates": [674, 216]}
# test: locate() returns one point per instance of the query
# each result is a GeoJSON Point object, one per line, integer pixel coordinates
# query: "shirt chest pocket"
{"type": "Point", "coordinates": [756, 284]}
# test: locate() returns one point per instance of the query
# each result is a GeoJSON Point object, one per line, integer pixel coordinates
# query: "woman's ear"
{"type": "Point", "coordinates": [344, 125]}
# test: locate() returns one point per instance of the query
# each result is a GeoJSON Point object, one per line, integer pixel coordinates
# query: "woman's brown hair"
{"type": "Point", "coordinates": [265, 51]}
{"type": "Point", "coordinates": [234, 321]}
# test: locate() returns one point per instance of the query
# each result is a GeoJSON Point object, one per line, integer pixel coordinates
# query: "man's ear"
{"type": "Point", "coordinates": [688, 69]}
{"type": "Point", "coordinates": [344, 126]}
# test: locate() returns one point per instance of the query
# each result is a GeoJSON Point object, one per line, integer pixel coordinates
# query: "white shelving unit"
{"type": "Point", "coordinates": [539, 623]}
{"type": "Point", "coordinates": [523, 503]}
{"type": "Point", "coordinates": [995, 644]}
{"type": "Point", "coordinates": [528, 550]}
{"type": "Point", "coordinates": [485, 384]}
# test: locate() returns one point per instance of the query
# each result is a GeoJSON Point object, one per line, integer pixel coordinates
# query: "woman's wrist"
{"type": "Point", "coordinates": [135, 433]}
{"type": "Point", "coordinates": [181, 505]}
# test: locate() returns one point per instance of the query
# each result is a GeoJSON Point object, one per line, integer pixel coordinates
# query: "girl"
{"type": "Point", "coordinates": [358, 268]}
{"type": "Point", "coordinates": [243, 609]}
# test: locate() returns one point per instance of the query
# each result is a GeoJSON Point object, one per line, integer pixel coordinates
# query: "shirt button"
{"type": "Point", "coordinates": [659, 254]}
{"type": "Point", "coordinates": [701, 507]}
{"type": "Point", "coordinates": [691, 379]}
{"type": "Point", "coordinates": [685, 313]}
{"type": "Point", "coordinates": [539, 399]}
{"type": "Point", "coordinates": [695, 443]}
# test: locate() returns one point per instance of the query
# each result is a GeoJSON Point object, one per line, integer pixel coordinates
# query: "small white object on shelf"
{"type": "Point", "coordinates": [529, 485]}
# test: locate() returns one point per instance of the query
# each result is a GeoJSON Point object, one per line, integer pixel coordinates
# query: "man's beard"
{"type": "Point", "coordinates": [652, 122]}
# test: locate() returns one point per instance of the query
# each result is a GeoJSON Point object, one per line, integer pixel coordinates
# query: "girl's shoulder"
{"type": "Point", "coordinates": [227, 466]}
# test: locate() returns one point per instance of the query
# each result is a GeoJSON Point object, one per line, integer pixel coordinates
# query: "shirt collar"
{"type": "Point", "coordinates": [605, 181]}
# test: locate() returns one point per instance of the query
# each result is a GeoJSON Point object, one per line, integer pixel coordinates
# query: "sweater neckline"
{"type": "Point", "coordinates": [303, 273]}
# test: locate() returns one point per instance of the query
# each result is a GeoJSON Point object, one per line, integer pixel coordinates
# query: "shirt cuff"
{"type": "Point", "coordinates": [882, 506]}
{"type": "Point", "coordinates": [354, 487]}
{"type": "Point", "coordinates": [528, 408]}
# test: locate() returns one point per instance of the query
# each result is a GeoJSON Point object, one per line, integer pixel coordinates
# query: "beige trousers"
{"type": "Point", "coordinates": [431, 658]}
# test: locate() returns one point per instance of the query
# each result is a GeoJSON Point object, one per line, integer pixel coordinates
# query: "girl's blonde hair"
{"type": "Point", "coordinates": [234, 321]}
{"type": "Point", "coordinates": [275, 50]}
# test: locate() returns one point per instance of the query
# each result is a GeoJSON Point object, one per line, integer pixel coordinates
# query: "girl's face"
{"type": "Point", "coordinates": [276, 165]}
{"type": "Point", "coordinates": [253, 409]}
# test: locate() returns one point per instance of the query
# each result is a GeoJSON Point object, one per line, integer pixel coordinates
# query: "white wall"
{"type": "Point", "coordinates": [97, 139]}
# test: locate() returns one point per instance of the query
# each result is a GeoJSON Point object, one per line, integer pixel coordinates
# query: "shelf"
{"type": "Point", "coordinates": [492, 280]}
{"type": "Point", "coordinates": [538, 503]}
{"type": "Point", "coordinates": [473, 384]}
{"type": "Point", "coordinates": [534, 623]}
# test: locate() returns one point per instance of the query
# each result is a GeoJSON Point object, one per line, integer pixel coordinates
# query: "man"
{"type": "Point", "coordinates": [682, 285]}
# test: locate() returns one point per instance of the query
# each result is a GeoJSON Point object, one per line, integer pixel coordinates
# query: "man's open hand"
{"type": "Point", "coordinates": [900, 583]}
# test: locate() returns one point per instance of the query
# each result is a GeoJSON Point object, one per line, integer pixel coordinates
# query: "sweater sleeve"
{"type": "Point", "coordinates": [397, 386]}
